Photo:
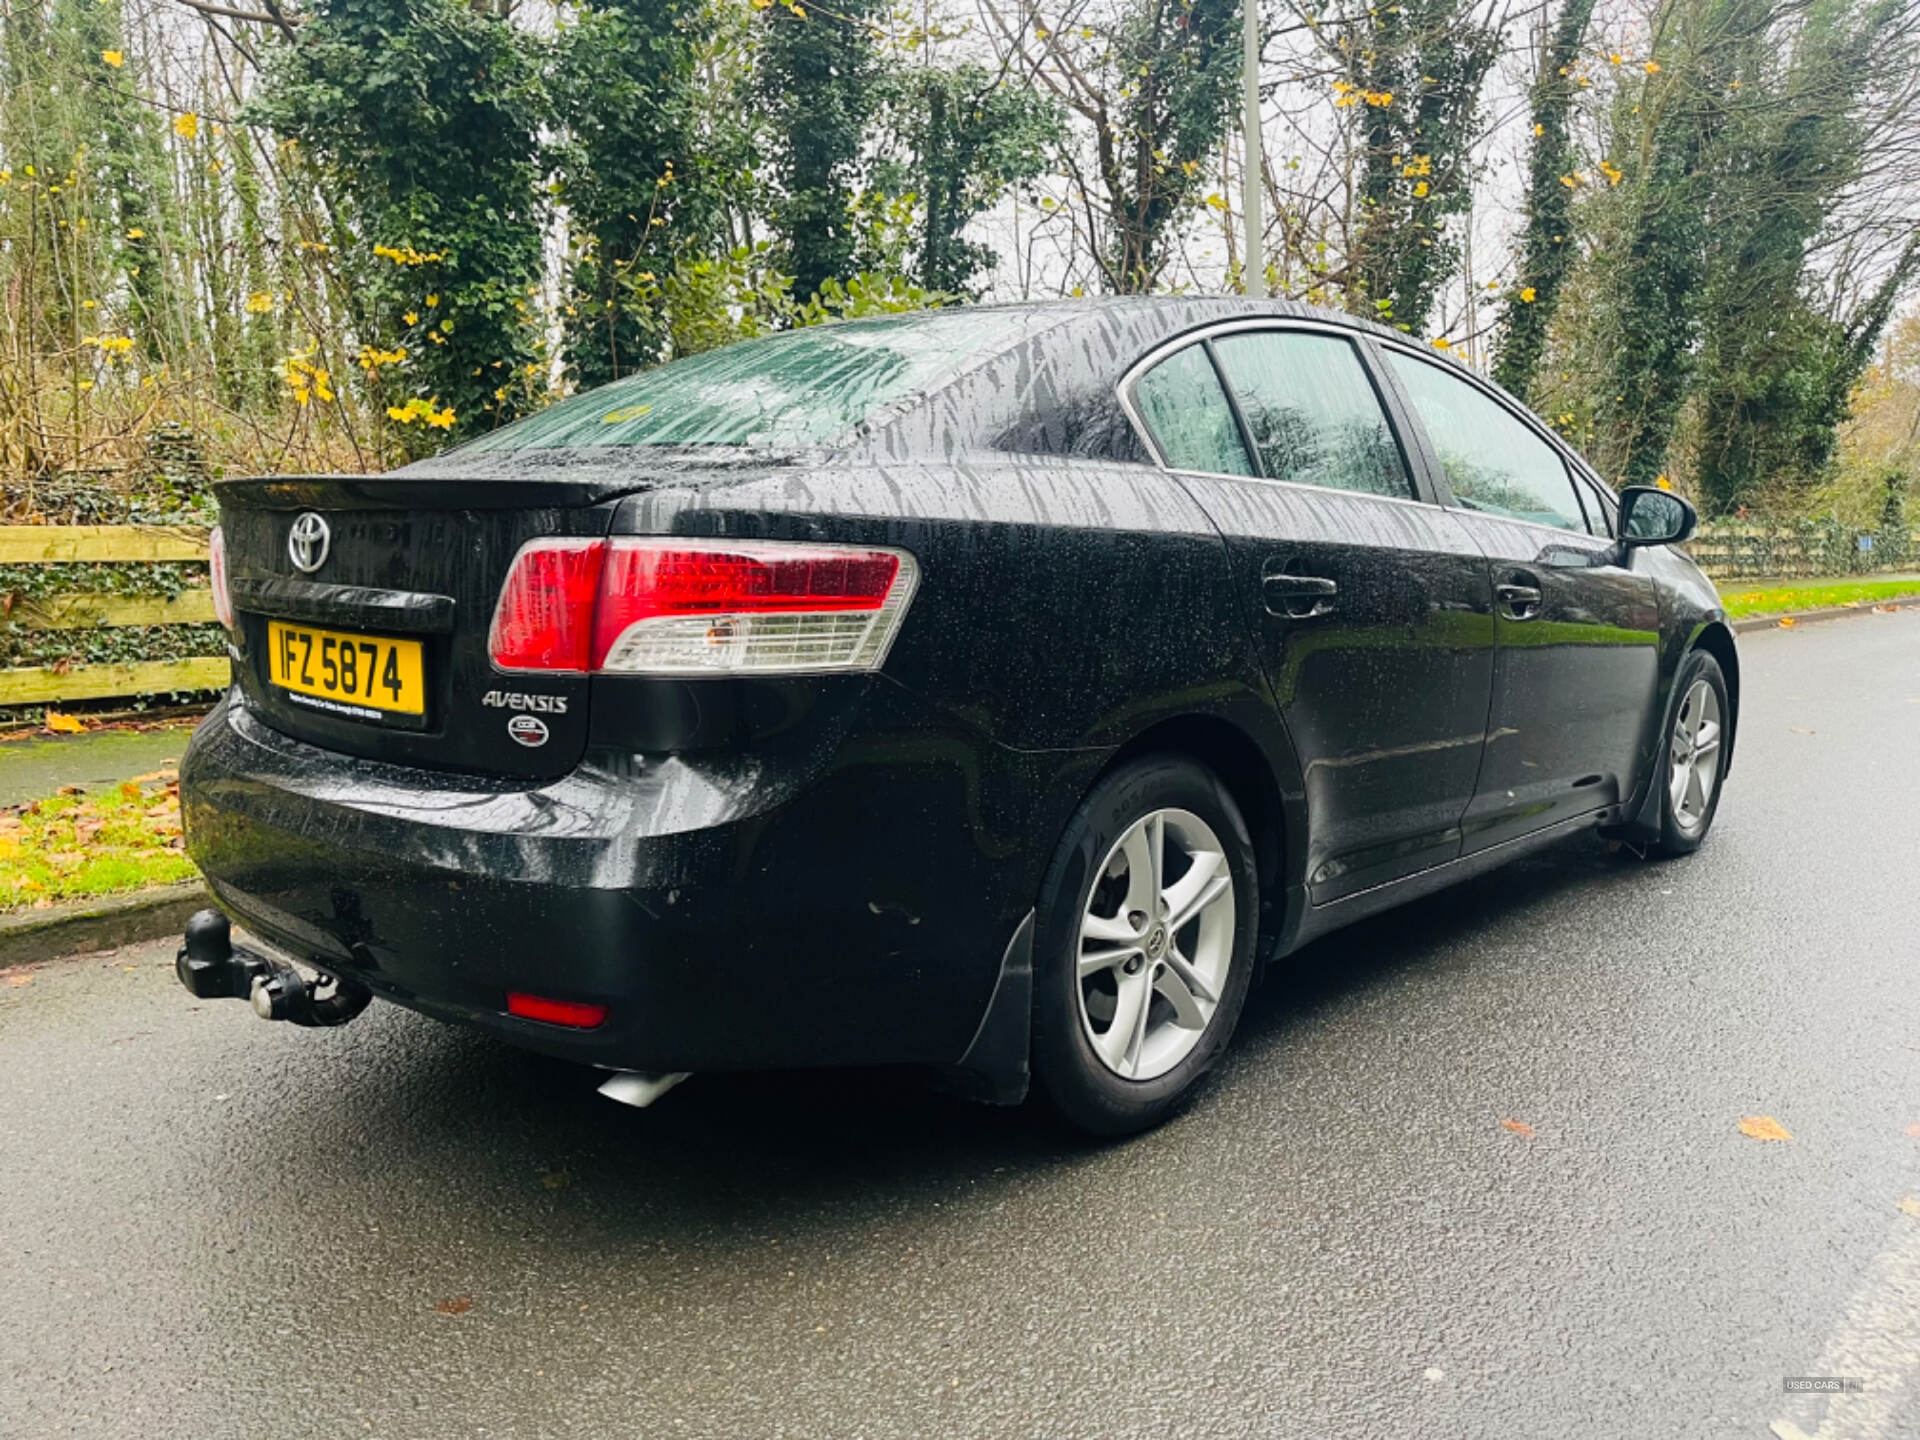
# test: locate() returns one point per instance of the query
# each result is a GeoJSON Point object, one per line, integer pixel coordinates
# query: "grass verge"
{"type": "Point", "coordinates": [80, 843]}
{"type": "Point", "coordinates": [1776, 599]}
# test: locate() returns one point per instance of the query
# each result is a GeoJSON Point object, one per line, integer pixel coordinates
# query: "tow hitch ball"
{"type": "Point", "coordinates": [212, 967]}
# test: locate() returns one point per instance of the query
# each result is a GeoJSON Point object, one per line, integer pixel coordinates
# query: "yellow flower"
{"type": "Point", "coordinates": [1539, 129]}
{"type": "Point", "coordinates": [1526, 294]}
{"type": "Point", "coordinates": [1652, 67]}
{"type": "Point", "coordinates": [432, 300]}
{"type": "Point", "coordinates": [186, 126]}
{"type": "Point", "coordinates": [411, 317]}
{"type": "Point", "coordinates": [136, 233]}
{"type": "Point", "coordinates": [114, 58]}
{"type": "Point", "coordinates": [260, 303]}
{"type": "Point", "coordinates": [418, 409]}
{"type": "Point", "coordinates": [1440, 342]}
{"type": "Point", "coordinates": [1663, 482]}
{"type": "Point", "coordinates": [407, 255]}
{"type": "Point", "coordinates": [1420, 190]}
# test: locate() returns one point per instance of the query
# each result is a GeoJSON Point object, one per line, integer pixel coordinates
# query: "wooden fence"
{"type": "Point", "coordinates": [1735, 551]}
{"type": "Point", "coordinates": [115, 544]}
{"type": "Point", "coordinates": [1726, 552]}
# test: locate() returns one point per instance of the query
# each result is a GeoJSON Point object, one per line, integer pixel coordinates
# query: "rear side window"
{"type": "Point", "coordinates": [1492, 461]}
{"type": "Point", "coordinates": [805, 387]}
{"type": "Point", "coordinates": [1187, 411]}
{"type": "Point", "coordinates": [1313, 413]}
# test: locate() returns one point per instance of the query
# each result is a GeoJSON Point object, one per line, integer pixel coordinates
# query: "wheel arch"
{"type": "Point", "coordinates": [1717, 640]}
{"type": "Point", "coordinates": [1275, 811]}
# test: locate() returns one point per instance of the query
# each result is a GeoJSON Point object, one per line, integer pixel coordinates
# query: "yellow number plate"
{"type": "Point", "coordinates": [347, 674]}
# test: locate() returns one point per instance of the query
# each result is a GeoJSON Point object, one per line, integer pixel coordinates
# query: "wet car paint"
{"type": "Point", "coordinates": [775, 872]}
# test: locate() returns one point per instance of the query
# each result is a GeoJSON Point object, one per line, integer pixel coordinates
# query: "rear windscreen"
{"type": "Point", "coordinates": [801, 388]}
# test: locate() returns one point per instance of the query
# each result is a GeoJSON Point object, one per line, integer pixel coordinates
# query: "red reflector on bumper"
{"type": "Point", "coordinates": [556, 1012]}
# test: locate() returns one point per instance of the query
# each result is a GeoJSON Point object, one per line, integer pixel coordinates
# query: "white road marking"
{"type": "Point", "coordinates": [1878, 1342]}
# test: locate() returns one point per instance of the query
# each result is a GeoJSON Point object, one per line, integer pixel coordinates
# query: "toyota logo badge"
{"type": "Point", "coordinates": [307, 544]}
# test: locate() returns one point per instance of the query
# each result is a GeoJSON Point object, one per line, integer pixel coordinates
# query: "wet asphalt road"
{"type": "Point", "coordinates": [211, 1227]}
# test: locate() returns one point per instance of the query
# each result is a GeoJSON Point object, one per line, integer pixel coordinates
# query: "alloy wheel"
{"type": "Point", "coordinates": [1156, 944]}
{"type": "Point", "coordinates": [1695, 767]}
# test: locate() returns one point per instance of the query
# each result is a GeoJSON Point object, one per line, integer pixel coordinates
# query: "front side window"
{"type": "Point", "coordinates": [1183, 405]}
{"type": "Point", "coordinates": [1492, 462]}
{"type": "Point", "coordinates": [1313, 413]}
{"type": "Point", "coordinates": [802, 388]}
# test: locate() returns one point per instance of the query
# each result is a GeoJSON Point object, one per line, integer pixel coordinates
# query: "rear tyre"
{"type": "Point", "coordinates": [1143, 946]}
{"type": "Point", "coordinates": [1694, 757]}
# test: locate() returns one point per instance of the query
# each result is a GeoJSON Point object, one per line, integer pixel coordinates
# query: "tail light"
{"type": "Point", "coordinates": [544, 620]}
{"type": "Point", "coordinates": [217, 574]}
{"type": "Point", "coordinates": [647, 606]}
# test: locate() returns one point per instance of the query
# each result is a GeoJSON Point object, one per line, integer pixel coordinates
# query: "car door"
{"type": "Point", "coordinates": [1577, 632]}
{"type": "Point", "coordinates": [1372, 610]}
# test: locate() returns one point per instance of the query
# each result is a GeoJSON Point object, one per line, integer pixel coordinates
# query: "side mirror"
{"type": "Point", "coordinates": [1650, 516]}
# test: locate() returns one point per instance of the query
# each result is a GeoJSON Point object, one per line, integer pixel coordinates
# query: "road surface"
{"type": "Point", "coordinates": [211, 1227]}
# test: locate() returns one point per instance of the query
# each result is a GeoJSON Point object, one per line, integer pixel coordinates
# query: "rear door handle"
{"type": "Point", "coordinates": [1518, 601]}
{"type": "Point", "coordinates": [1298, 597]}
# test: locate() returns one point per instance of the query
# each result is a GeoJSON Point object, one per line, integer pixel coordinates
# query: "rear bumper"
{"type": "Point", "coordinates": [851, 904]}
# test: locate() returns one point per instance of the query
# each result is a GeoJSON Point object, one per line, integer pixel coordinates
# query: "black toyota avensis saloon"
{"type": "Point", "coordinates": [990, 690]}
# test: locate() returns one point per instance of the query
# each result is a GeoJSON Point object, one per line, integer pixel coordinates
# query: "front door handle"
{"type": "Point", "coordinates": [1518, 598]}
{"type": "Point", "coordinates": [1298, 597]}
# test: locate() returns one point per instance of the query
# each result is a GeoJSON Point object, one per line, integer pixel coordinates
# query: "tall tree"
{"type": "Point", "coordinates": [1547, 249]}
{"type": "Point", "coordinates": [638, 183]}
{"type": "Point", "coordinates": [425, 116]}
{"type": "Point", "coordinates": [1776, 367]}
{"type": "Point", "coordinates": [1666, 139]}
{"type": "Point", "coordinates": [1414, 82]}
{"type": "Point", "coordinates": [819, 79]}
{"type": "Point", "coordinates": [972, 134]}
{"type": "Point", "coordinates": [1155, 82]}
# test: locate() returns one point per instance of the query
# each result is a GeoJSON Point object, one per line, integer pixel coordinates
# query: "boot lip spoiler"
{"type": "Point", "coordinates": [513, 480]}
{"type": "Point", "coordinates": [401, 492]}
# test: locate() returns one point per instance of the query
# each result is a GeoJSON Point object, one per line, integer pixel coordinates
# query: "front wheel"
{"type": "Point", "coordinates": [1695, 756]}
{"type": "Point", "coordinates": [1144, 946]}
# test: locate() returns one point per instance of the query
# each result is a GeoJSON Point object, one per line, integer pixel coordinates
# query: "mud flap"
{"type": "Point", "coordinates": [994, 1069]}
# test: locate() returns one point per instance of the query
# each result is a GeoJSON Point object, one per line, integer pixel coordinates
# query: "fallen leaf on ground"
{"type": "Point", "coordinates": [1763, 1127]}
{"type": "Point", "coordinates": [129, 790]}
{"type": "Point", "coordinates": [1517, 1127]}
{"type": "Point", "coordinates": [1796, 730]}
{"type": "Point", "coordinates": [63, 724]}
{"type": "Point", "coordinates": [22, 978]}
{"type": "Point", "coordinates": [458, 1305]}
{"type": "Point", "coordinates": [1786, 622]}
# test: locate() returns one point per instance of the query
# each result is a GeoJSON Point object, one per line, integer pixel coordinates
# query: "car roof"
{"type": "Point", "coordinates": [1174, 313]}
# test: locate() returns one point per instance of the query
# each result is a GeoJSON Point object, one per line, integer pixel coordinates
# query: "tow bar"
{"type": "Point", "coordinates": [212, 967]}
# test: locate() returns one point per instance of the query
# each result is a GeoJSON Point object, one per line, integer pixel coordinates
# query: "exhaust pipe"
{"type": "Point", "coordinates": [212, 968]}
{"type": "Point", "coordinates": [640, 1088]}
